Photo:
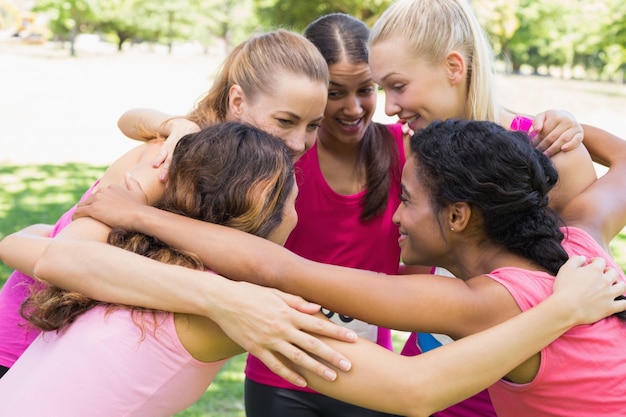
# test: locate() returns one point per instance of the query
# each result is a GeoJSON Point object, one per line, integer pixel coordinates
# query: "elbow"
{"type": "Point", "coordinates": [47, 266]}
{"type": "Point", "coordinates": [42, 267]}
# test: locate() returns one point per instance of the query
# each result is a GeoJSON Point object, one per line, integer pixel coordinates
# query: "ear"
{"type": "Point", "coordinates": [458, 216]}
{"type": "Point", "coordinates": [456, 67]}
{"type": "Point", "coordinates": [236, 101]}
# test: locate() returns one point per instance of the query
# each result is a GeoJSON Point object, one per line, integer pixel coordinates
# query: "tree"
{"type": "Point", "coordinates": [500, 20]}
{"type": "Point", "coordinates": [68, 18]}
{"type": "Point", "coordinates": [296, 14]}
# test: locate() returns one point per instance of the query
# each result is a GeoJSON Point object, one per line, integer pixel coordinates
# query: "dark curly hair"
{"type": "Point", "coordinates": [500, 175]}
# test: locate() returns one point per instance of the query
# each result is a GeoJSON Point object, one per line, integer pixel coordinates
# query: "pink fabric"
{"type": "Point", "coordinates": [329, 230]}
{"type": "Point", "coordinates": [480, 404]}
{"type": "Point", "coordinates": [15, 334]}
{"type": "Point", "coordinates": [583, 373]}
{"type": "Point", "coordinates": [521, 123]}
{"type": "Point", "coordinates": [101, 366]}
{"type": "Point", "coordinates": [477, 406]}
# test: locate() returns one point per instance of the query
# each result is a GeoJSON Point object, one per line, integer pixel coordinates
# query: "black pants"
{"type": "Point", "coordinates": [266, 401]}
{"type": "Point", "coordinates": [3, 370]}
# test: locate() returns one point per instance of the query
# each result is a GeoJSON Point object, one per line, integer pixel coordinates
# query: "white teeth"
{"type": "Point", "coordinates": [352, 123]}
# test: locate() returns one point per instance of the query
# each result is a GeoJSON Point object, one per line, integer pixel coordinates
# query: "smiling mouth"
{"type": "Point", "coordinates": [411, 119]}
{"type": "Point", "coordinates": [349, 123]}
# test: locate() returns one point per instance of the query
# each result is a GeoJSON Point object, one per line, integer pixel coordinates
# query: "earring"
{"type": "Point", "coordinates": [452, 228]}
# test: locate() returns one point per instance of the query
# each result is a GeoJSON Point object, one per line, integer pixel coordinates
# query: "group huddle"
{"type": "Point", "coordinates": [228, 228]}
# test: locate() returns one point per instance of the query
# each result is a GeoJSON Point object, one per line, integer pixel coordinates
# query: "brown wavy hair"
{"type": "Point", "coordinates": [231, 174]}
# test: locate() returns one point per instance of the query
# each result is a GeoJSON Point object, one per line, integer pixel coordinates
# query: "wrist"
{"type": "Point", "coordinates": [179, 126]}
{"type": "Point", "coordinates": [563, 311]}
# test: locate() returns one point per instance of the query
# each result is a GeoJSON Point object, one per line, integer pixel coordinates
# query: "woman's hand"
{"type": "Point", "coordinates": [279, 328]}
{"type": "Point", "coordinates": [115, 205]}
{"type": "Point", "coordinates": [554, 131]}
{"type": "Point", "coordinates": [176, 128]}
{"type": "Point", "coordinates": [589, 291]}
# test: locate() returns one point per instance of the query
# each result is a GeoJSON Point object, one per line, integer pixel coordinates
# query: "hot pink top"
{"type": "Point", "coordinates": [582, 373]}
{"type": "Point", "coordinates": [15, 336]}
{"type": "Point", "coordinates": [330, 230]}
{"type": "Point", "coordinates": [102, 365]}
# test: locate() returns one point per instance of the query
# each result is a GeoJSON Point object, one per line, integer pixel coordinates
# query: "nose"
{"type": "Point", "coordinates": [352, 106]}
{"type": "Point", "coordinates": [297, 143]}
{"type": "Point", "coordinates": [391, 108]}
{"type": "Point", "coordinates": [396, 216]}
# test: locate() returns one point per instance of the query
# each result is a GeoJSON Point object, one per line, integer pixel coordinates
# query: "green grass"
{"type": "Point", "coordinates": [42, 193]}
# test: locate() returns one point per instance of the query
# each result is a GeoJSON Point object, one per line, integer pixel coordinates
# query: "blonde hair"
{"type": "Point", "coordinates": [256, 66]}
{"type": "Point", "coordinates": [433, 29]}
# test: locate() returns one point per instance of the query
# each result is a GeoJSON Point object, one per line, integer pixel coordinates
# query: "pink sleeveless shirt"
{"type": "Point", "coordinates": [15, 335]}
{"type": "Point", "coordinates": [102, 365]}
{"type": "Point", "coordinates": [330, 230]}
{"type": "Point", "coordinates": [480, 404]}
{"type": "Point", "coordinates": [582, 373]}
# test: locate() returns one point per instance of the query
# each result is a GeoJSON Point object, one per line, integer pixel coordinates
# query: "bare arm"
{"type": "Point", "coordinates": [145, 124]}
{"type": "Point", "coordinates": [423, 384]}
{"type": "Point", "coordinates": [21, 249]}
{"type": "Point", "coordinates": [601, 208]}
{"type": "Point", "coordinates": [266, 322]}
{"type": "Point", "coordinates": [240, 256]}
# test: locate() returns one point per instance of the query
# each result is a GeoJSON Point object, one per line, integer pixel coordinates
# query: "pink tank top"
{"type": "Point", "coordinates": [480, 404]}
{"type": "Point", "coordinates": [330, 230]}
{"type": "Point", "coordinates": [15, 334]}
{"type": "Point", "coordinates": [102, 365]}
{"type": "Point", "coordinates": [583, 372]}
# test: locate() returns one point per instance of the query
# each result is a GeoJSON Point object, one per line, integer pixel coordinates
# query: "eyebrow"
{"type": "Point", "coordinates": [388, 75]}
{"type": "Point", "coordinates": [369, 80]}
{"type": "Point", "coordinates": [297, 117]}
{"type": "Point", "coordinates": [404, 190]}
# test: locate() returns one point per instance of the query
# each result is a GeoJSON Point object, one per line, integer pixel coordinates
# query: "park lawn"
{"type": "Point", "coordinates": [42, 193]}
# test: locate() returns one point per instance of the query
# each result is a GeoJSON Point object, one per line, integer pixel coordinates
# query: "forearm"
{"type": "Point", "coordinates": [421, 385]}
{"type": "Point", "coordinates": [143, 124]}
{"type": "Point", "coordinates": [576, 174]}
{"type": "Point", "coordinates": [604, 147]}
{"type": "Point", "coordinates": [111, 274]}
{"type": "Point", "coordinates": [20, 251]}
{"type": "Point", "coordinates": [241, 256]}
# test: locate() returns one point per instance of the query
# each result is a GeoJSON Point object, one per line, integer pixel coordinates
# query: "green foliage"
{"type": "Point", "coordinates": [542, 34]}
{"type": "Point", "coordinates": [557, 33]}
{"type": "Point", "coordinates": [33, 194]}
{"type": "Point", "coordinates": [296, 15]}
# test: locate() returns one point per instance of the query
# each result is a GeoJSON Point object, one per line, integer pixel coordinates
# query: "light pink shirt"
{"type": "Point", "coordinates": [103, 366]}
{"type": "Point", "coordinates": [15, 336]}
{"type": "Point", "coordinates": [582, 373]}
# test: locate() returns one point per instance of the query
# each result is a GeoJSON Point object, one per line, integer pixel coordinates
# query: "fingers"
{"type": "Point", "coordinates": [160, 158]}
{"type": "Point", "coordinates": [306, 352]}
{"type": "Point", "coordinates": [280, 369]}
{"type": "Point", "coordinates": [556, 131]}
{"type": "Point", "coordinates": [134, 186]}
{"type": "Point", "coordinates": [316, 324]}
{"type": "Point", "coordinates": [576, 261]}
{"type": "Point", "coordinates": [164, 170]}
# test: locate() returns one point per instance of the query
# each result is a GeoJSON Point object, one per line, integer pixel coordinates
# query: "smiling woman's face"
{"type": "Point", "coordinates": [415, 89]}
{"type": "Point", "coordinates": [292, 112]}
{"type": "Point", "coordinates": [351, 103]}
